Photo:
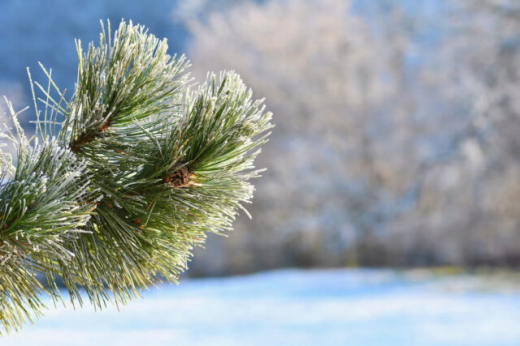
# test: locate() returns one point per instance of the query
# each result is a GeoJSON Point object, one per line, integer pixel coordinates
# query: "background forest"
{"type": "Point", "coordinates": [398, 122]}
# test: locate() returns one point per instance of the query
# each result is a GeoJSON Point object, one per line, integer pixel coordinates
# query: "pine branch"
{"type": "Point", "coordinates": [41, 213]}
{"type": "Point", "coordinates": [142, 168]}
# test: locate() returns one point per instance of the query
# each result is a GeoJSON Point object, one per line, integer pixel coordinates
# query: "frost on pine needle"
{"type": "Point", "coordinates": [124, 177]}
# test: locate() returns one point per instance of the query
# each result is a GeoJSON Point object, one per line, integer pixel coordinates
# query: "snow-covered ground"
{"type": "Point", "coordinates": [295, 307]}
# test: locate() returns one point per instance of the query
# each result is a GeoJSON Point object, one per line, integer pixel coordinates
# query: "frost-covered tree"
{"type": "Point", "coordinates": [474, 199]}
{"type": "Point", "coordinates": [344, 153]}
{"type": "Point", "coordinates": [123, 178]}
{"type": "Point", "coordinates": [398, 142]}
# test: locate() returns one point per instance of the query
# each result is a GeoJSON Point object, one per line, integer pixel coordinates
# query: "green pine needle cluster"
{"type": "Point", "coordinates": [123, 178]}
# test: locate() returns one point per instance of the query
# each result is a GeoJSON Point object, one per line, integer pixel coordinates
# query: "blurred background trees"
{"type": "Point", "coordinates": [397, 128]}
{"type": "Point", "coordinates": [398, 124]}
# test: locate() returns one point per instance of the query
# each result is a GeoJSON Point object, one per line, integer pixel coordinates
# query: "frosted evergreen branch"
{"type": "Point", "coordinates": [140, 169]}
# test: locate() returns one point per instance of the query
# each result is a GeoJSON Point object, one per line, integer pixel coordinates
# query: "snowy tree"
{"type": "Point", "coordinates": [397, 139]}
{"type": "Point", "coordinates": [343, 152]}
